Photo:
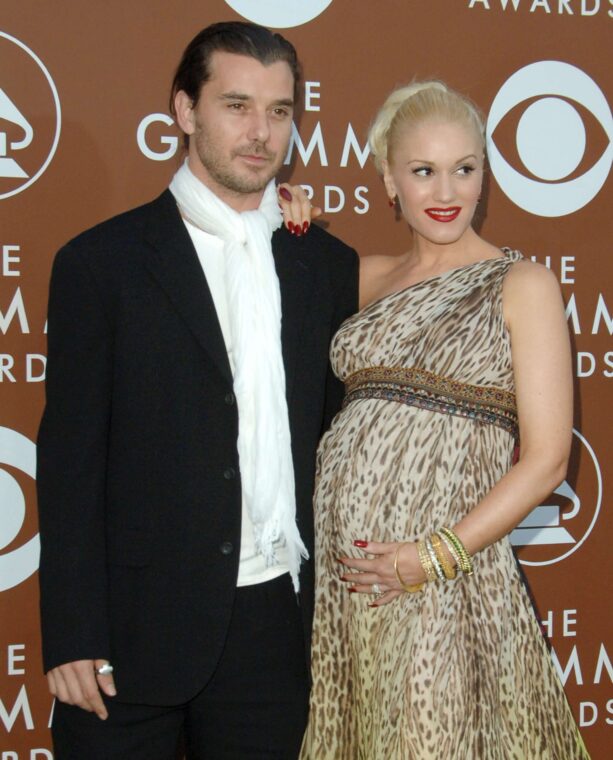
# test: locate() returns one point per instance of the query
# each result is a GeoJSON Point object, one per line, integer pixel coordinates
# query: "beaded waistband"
{"type": "Point", "coordinates": [426, 390]}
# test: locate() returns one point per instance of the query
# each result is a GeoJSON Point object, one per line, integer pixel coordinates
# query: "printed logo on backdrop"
{"type": "Point", "coordinates": [279, 14]}
{"type": "Point", "coordinates": [557, 528]}
{"type": "Point", "coordinates": [551, 138]}
{"type": "Point", "coordinates": [18, 558]}
{"type": "Point", "coordinates": [30, 116]}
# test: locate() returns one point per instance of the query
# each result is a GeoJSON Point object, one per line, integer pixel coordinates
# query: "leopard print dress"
{"type": "Point", "coordinates": [460, 671]}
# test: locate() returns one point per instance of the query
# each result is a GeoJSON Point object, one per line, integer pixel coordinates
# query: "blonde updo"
{"type": "Point", "coordinates": [414, 104]}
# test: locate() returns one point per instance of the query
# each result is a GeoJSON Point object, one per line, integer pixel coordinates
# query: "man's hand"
{"type": "Point", "coordinates": [77, 683]}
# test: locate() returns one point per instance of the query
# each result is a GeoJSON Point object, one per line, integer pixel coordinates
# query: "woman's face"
{"type": "Point", "coordinates": [436, 169]}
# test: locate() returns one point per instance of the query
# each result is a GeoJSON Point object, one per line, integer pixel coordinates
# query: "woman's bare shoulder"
{"type": "Point", "coordinates": [374, 270]}
{"type": "Point", "coordinates": [528, 274]}
{"type": "Point", "coordinates": [377, 264]}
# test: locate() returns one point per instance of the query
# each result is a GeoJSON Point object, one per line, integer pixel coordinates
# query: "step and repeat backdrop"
{"type": "Point", "coordinates": [85, 133]}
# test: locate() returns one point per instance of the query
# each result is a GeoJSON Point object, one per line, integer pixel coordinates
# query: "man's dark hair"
{"type": "Point", "coordinates": [237, 37]}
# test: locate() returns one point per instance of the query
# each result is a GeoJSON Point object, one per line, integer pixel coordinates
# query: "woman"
{"type": "Point", "coordinates": [425, 642]}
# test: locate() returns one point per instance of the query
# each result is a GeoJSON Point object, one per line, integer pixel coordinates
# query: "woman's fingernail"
{"type": "Point", "coordinates": [360, 544]}
{"type": "Point", "coordinates": [290, 227]}
{"type": "Point", "coordinates": [373, 604]}
{"type": "Point", "coordinates": [352, 590]}
{"type": "Point", "coordinates": [285, 194]}
{"type": "Point", "coordinates": [298, 230]}
{"type": "Point", "coordinates": [305, 228]}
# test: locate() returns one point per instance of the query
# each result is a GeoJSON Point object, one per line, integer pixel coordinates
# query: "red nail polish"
{"type": "Point", "coordinates": [290, 227]}
{"type": "Point", "coordinates": [338, 559]}
{"type": "Point", "coordinates": [305, 228]}
{"type": "Point", "coordinates": [285, 194]}
{"type": "Point", "coordinates": [360, 544]}
{"type": "Point", "coordinates": [390, 203]}
{"type": "Point", "coordinates": [373, 604]}
{"type": "Point", "coordinates": [352, 590]}
{"type": "Point", "coordinates": [298, 230]}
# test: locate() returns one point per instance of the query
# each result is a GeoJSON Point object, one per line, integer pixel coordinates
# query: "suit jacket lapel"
{"type": "Point", "coordinates": [296, 283]}
{"type": "Point", "coordinates": [174, 264]}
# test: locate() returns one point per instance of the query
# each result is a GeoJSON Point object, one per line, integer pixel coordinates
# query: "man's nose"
{"type": "Point", "coordinates": [259, 127]}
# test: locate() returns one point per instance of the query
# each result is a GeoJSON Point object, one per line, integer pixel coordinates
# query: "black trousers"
{"type": "Point", "coordinates": [254, 707]}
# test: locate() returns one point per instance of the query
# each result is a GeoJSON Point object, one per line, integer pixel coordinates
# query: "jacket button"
{"type": "Point", "coordinates": [229, 473]}
{"type": "Point", "coordinates": [229, 399]}
{"type": "Point", "coordinates": [226, 548]}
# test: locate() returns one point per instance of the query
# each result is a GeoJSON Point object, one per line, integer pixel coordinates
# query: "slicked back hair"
{"type": "Point", "coordinates": [238, 37]}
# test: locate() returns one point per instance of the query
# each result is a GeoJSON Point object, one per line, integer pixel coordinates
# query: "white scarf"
{"type": "Point", "coordinates": [254, 301]}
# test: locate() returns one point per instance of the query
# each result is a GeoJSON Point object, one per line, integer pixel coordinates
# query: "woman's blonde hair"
{"type": "Point", "coordinates": [414, 104]}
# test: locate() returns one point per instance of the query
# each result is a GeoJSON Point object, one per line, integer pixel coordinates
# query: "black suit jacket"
{"type": "Point", "coordinates": [138, 475]}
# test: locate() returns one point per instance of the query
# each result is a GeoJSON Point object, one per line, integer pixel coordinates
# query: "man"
{"type": "Point", "coordinates": [175, 511]}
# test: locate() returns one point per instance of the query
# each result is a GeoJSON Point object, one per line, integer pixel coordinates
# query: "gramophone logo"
{"type": "Point", "coordinates": [558, 527]}
{"type": "Point", "coordinates": [30, 116]}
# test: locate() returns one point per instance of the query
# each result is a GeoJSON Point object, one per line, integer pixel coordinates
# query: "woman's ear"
{"type": "Point", "coordinates": [388, 180]}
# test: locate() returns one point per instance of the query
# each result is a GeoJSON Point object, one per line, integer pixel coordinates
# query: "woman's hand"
{"type": "Point", "coordinates": [378, 571]}
{"type": "Point", "coordinates": [296, 208]}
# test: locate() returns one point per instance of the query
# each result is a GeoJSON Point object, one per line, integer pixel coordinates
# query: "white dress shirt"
{"type": "Point", "coordinates": [210, 250]}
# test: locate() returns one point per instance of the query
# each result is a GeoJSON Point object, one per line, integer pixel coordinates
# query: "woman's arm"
{"type": "Point", "coordinates": [540, 350]}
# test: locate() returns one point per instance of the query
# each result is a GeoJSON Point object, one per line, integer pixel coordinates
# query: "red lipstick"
{"type": "Point", "coordinates": [443, 214]}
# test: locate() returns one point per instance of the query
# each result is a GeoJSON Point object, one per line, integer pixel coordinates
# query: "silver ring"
{"type": "Point", "coordinates": [105, 670]}
{"type": "Point", "coordinates": [376, 589]}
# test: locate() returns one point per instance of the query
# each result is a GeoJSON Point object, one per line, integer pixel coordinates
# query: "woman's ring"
{"type": "Point", "coordinates": [376, 589]}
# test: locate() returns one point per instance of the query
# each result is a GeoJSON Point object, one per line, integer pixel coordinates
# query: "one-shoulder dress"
{"type": "Point", "coordinates": [460, 671]}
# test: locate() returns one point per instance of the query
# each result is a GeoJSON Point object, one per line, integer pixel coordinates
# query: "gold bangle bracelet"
{"type": "Point", "coordinates": [411, 589]}
{"type": "Point", "coordinates": [452, 549]}
{"type": "Point", "coordinates": [438, 568]}
{"type": "Point", "coordinates": [426, 562]}
{"type": "Point", "coordinates": [448, 569]}
{"type": "Point", "coordinates": [465, 560]}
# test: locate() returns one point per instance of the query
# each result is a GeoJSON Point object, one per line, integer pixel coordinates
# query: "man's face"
{"type": "Point", "coordinates": [240, 129]}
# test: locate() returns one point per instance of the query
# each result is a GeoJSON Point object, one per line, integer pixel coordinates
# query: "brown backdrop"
{"type": "Point", "coordinates": [111, 64]}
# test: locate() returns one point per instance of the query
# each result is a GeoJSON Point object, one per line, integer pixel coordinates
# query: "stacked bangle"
{"type": "Point", "coordinates": [436, 564]}
{"type": "Point", "coordinates": [448, 569]}
{"type": "Point", "coordinates": [426, 561]}
{"type": "Point", "coordinates": [411, 589]}
{"type": "Point", "coordinates": [457, 550]}
{"type": "Point", "coordinates": [434, 561]}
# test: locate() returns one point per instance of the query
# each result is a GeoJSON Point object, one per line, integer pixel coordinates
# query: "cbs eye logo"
{"type": "Point", "coordinates": [279, 14]}
{"type": "Point", "coordinates": [19, 555]}
{"type": "Point", "coordinates": [30, 116]}
{"type": "Point", "coordinates": [551, 138]}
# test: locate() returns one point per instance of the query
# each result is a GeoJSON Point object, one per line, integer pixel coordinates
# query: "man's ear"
{"type": "Point", "coordinates": [184, 110]}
